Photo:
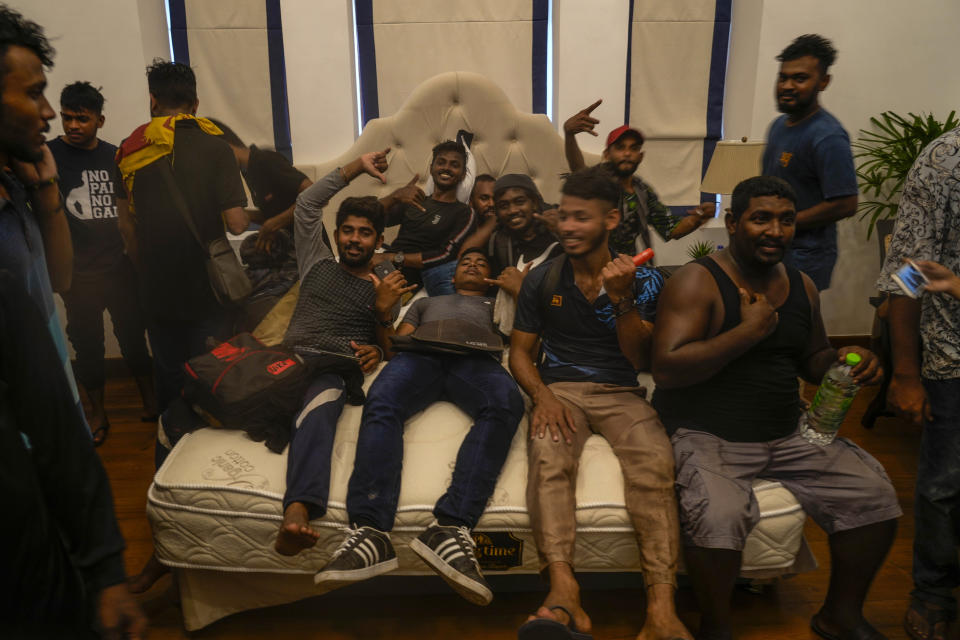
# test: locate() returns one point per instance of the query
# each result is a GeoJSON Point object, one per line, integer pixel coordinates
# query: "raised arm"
{"type": "Point", "coordinates": [683, 352]}
{"type": "Point", "coordinates": [577, 123]}
{"type": "Point", "coordinates": [308, 214]}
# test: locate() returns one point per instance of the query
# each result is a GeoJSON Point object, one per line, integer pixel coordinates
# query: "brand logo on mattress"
{"type": "Point", "coordinates": [498, 551]}
{"type": "Point", "coordinates": [234, 470]}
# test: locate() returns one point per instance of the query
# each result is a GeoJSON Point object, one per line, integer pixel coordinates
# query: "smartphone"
{"type": "Point", "coordinates": [911, 279]}
{"type": "Point", "coordinates": [383, 269]}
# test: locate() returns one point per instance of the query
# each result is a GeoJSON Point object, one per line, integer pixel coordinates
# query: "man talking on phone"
{"type": "Point", "coordinates": [336, 322]}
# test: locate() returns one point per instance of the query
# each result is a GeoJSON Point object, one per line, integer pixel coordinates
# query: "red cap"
{"type": "Point", "coordinates": [621, 131]}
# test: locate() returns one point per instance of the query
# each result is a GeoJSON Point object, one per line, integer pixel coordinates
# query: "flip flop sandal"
{"type": "Point", "coordinates": [936, 621]}
{"type": "Point", "coordinates": [546, 629]}
{"type": "Point", "coordinates": [863, 632]}
{"type": "Point", "coordinates": [100, 434]}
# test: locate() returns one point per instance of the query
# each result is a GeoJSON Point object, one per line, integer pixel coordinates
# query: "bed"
{"type": "Point", "coordinates": [216, 503]}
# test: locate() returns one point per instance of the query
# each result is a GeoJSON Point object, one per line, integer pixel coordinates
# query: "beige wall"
{"type": "Point", "coordinates": [892, 56]}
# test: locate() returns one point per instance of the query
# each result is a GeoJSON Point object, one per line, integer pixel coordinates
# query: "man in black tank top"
{"type": "Point", "coordinates": [734, 331]}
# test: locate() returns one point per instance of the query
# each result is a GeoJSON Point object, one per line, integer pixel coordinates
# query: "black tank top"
{"type": "Point", "coordinates": [754, 398]}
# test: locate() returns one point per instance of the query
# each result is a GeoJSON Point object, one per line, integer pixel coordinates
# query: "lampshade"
{"type": "Point", "coordinates": [733, 161]}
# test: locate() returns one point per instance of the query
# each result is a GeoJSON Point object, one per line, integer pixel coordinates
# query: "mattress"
{"type": "Point", "coordinates": [216, 504]}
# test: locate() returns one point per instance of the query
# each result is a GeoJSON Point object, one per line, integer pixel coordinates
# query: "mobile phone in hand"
{"type": "Point", "coordinates": [383, 269]}
{"type": "Point", "coordinates": [911, 279]}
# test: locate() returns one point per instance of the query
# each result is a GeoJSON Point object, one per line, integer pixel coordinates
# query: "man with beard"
{"type": "Point", "coordinates": [593, 310]}
{"type": "Point", "coordinates": [475, 382]}
{"type": "Point", "coordinates": [343, 310]}
{"type": "Point", "coordinates": [810, 149]}
{"type": "Point", "coordinates": [640, 208]}
{"type": "Point", "coordinates": [481, 198]}
{"type": "Point", "coordinates": [103, 277]}
{"type": "Point", "coordinates": [734, 331]}
{"type": "Point", "coordinates": [64, 568]}
{"type": "Point", "coordinates": [432, 229]}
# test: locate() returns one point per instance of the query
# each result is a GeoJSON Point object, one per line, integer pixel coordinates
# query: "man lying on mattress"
{"type": "Point", "coordinates": [592, 309]}
{"type": "Point", "coordinates": [450, 351]}
{"type": "Point", "coordinates": [337, 315]}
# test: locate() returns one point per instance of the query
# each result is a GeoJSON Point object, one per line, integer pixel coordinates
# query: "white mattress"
{"type": "Point", "coordinates": [216, 503]}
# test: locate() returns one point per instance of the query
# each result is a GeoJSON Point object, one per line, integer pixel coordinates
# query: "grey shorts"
{"type": "Point", "coordinates": [840, 486]}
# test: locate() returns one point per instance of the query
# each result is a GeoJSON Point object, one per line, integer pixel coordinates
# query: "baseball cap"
{"type": "Point", "coordinates": [622, 130]}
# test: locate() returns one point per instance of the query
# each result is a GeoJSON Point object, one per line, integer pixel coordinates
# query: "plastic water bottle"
{"type": "Point", "coordinates": [819, 424]}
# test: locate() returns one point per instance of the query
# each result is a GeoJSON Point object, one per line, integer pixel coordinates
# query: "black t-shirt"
{"type": "Point", "coordinates": [579, 338]}
{"type": "Point", "coordinates": [437, 233]}
{"type": "Point", "coordinates": [274, 183]}
{"type": "Point", "coordinates": [505, 251]}
{"type": "Point", "coordinates": [172, 265]}
{"type": "Point", "coordinates": [88, 184]}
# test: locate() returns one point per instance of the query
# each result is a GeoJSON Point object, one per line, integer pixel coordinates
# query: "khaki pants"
{"type": "Point", "coordinates": [638, 439]}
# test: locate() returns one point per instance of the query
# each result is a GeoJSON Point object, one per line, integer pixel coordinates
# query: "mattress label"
{"type": "Point", "coordinates": [498, 550]}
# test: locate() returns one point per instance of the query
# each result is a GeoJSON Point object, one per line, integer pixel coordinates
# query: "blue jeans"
{"type": "Point", "coordinates": [818, 264]}
{"type": "Point", "coordinates": [410, 383]}
{"type": "Point", "coordinates": [936, 571]}
{"type": "Point", "coordinates": [311, 445]}
{"type": "Point", "coordinates": [438, 281]}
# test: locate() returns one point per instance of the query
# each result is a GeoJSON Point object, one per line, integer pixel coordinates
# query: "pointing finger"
{"type": "Point", "coordinates": [593, 106]}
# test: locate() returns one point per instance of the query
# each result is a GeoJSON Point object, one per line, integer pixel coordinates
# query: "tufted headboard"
{"type": "Point", "coordinates": [505, 139]}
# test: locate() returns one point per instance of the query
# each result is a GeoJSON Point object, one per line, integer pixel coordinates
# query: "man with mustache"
{"type": "Point", "coordinates": [342, 319]}
{"type": "Point", "coordinates": [640, 208]}
{"type": "Point", "coordinates": [432, 229]}
{"type": "Point", "coordinates": [593, 310]}
{"type": "Point", "coordinates": [412, 381]}
{"type": "Point", "coordinates": [810, 149]}
{"type": "Point", "coordinates": [513, 234]}
{"type": "Point", "coordinates": [734, 331]}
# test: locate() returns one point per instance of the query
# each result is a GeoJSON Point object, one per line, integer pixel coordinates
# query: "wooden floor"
{"type": "Point", "coordinates": [782, 611]}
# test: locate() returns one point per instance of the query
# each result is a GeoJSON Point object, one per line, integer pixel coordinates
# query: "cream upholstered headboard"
{"type": "Point", "coordinates": [505, 139]}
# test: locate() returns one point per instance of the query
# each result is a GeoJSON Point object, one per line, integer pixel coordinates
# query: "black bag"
{"type": "Point", "coordinates": [228, 280]}
{"type": "Point", "coordinates": [244, 384]}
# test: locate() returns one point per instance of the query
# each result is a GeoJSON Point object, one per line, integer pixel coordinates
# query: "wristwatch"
{"type": "Point", "coordinates": [398, 259]}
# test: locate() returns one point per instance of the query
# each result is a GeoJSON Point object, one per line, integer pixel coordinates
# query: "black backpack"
{"type": "Point", "coordinates": [247, 385]}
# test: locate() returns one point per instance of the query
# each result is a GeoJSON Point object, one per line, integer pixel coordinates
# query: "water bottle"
{"type": "Point", "coordinates": [819, 424]}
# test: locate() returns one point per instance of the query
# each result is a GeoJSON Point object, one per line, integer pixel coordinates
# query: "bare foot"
{"type": "Point", "coordinates": [662, 622]}
{"type": "Point", "coordinates": [148, 576]}
{"type": "Point", "coordinates": [295, 533]}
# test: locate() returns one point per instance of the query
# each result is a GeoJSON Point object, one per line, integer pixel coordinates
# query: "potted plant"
{"type": "Point", "coordinates": [700, 249]}
{"type": "Point", "coordinates": [885, 155]}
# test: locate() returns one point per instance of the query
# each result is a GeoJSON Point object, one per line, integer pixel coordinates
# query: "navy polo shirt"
{"type": "Point", "coordinates": [579, 337]}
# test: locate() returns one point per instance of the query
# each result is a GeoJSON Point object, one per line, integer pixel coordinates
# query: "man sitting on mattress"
{"type": "Point", "coordinates": [516, 239]}
{"type": "Point", "coordinates": [343, 312]}
{"type": "Point", "coordinates": [451, 353]}
{"type": "Point", "coordinates": [593, 310]}
{"type": "Point", "coordinates": [432, 228]}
